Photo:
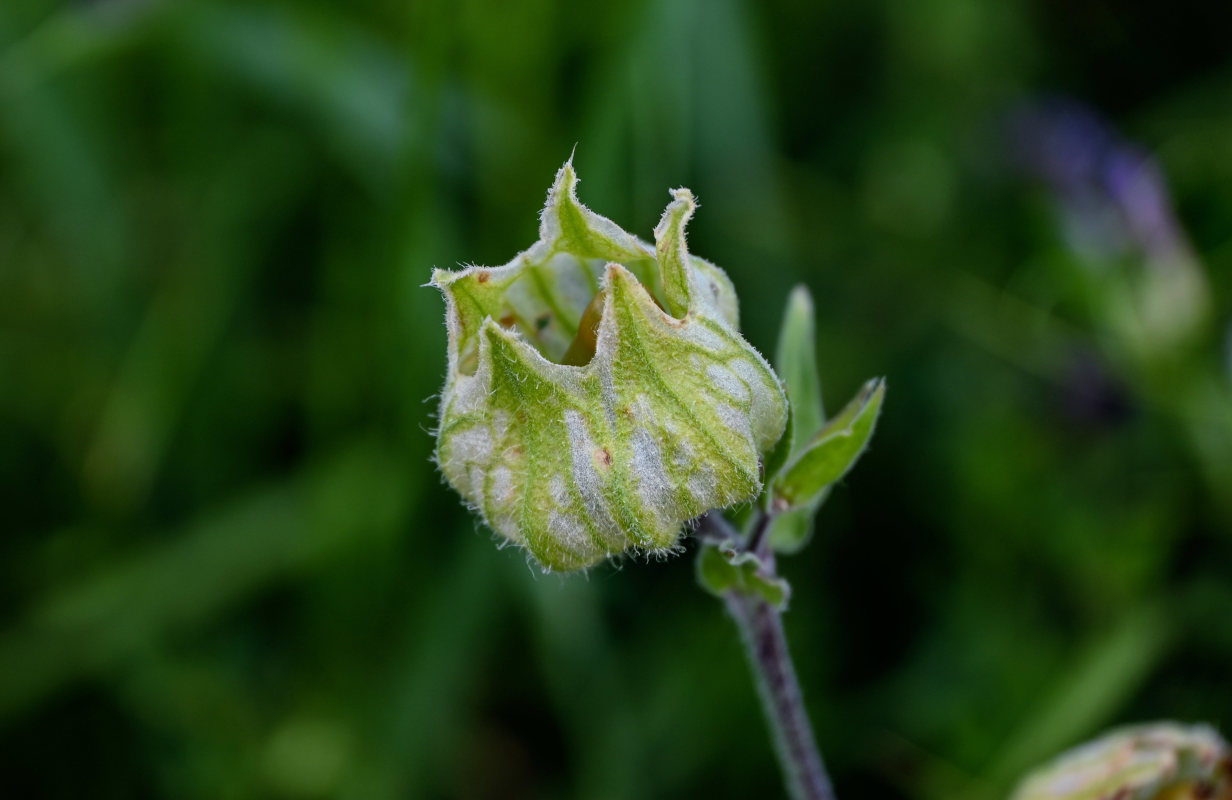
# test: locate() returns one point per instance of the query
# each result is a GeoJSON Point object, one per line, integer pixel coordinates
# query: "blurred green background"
{"type": "Point", "coordinates": [230, 571]}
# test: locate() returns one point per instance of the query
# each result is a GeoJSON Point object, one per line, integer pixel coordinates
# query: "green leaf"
{"type": "Point", "coordinates": [833, 451]}
{"type": "Point", "coordinates": [715, 572]}
{"type": "Point", "coordinates": [791, 530]}
{"type": "Point", "coordinates": [726, 568]}
{"type": "Point", "coordinates": [796, 363]}
{"type": "Point", "coordinates": [774, 590]}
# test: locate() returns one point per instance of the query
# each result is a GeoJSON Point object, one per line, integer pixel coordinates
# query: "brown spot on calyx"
{"type": "Point", "coordinates": [508, 320]}
{"type": "Point", "coordinates": [483, 276]}
{"type": "Point", "coordinates": [604, 457]}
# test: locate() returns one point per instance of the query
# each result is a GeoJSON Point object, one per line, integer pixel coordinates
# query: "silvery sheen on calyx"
{"type": "Point", "coordinates": [599, 393]}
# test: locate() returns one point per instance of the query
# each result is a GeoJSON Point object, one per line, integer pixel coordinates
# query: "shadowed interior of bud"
{"type": "Point", "coordinates": [556, 304]}
{"type": "Point", "coordinates": [549, 293]}
{"type": "Point", "coordinates": [565, 324]}
{"type": "Point", "coordinates": [582, 350]}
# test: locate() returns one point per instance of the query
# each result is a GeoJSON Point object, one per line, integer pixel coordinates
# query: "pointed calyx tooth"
{"type": "Point", "coordinates": [598, 392]}
{"type": "Point", "coordinates": [672, 253]}
{"type": "Point", "coordinates": [573, 228]}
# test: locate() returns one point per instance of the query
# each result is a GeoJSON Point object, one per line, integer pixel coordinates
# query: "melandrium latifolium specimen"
{"type": "Point", "coordinates": [599, 393]}
{"type": "Point", "coordinates": [599, 396]}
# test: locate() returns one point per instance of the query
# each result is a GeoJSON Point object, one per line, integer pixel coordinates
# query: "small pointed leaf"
{"type": "Point", "coordinates": [727, 568]}
{"type": "Point", "coordinates": [791, 529]}
{"type": "Point", "coordinates": [774, 590]}
{"type": "Point", "coordinates": [716, 573]}
{"type": "Point", "coordinates": [796, 363]}
{"type": "Point", "coordinates": [833, 451]}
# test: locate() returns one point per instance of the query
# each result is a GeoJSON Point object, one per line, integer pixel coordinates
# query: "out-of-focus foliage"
{"type": "Point", "coordinates": [1155, 761]}
{"type": "Point", "coordinates": [229, 569]}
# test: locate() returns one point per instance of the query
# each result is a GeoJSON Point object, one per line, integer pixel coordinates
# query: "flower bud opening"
{"type": "Point", "coordinates": [599, 393]}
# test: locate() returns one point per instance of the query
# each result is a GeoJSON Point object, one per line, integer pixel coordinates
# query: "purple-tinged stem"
{"type": "Point", "coordinates": [762, 629]}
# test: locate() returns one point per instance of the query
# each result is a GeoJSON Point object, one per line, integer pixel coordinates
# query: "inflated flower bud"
{"type": "Point", "coordinates": [1160, 761]}
{"type": "Point", "coordinates": [599, 393]}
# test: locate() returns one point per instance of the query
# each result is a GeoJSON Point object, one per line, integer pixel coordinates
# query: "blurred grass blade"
{"type": "Point", "coordinates": [579, 657]}
{"type": "Point", "coordinates": [351, 89]}
{"type": "Point", "coordinates": [420, 700]}
{"type": "Point", "coordinates": [1087, 693]}
{"type": "Point", "coordinates": [833, 451]}
{"type": "Point", "coordinates": [125, 607]}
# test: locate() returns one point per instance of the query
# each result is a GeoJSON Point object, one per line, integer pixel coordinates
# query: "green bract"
{"type": "Point", "coordinates": [1160, 761]}
{"type": "Point", "coordinates": [599, 393]}
{"type": "Point", "coordinates": [832, 451]}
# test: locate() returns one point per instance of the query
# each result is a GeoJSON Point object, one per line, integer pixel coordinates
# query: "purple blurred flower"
{"type": "Point", "coordinates": [1113, 203]}
{"type": "Point", "coordinates": [1111, 192]}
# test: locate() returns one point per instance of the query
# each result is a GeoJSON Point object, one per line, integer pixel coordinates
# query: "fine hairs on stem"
{"type": "Point", "coordinates": [761, 628]}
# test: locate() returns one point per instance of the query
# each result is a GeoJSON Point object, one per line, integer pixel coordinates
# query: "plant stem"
{"type": "Point", "coordinates": [761, 627]}
{"type": "Point", "coordinates": [759, 540]}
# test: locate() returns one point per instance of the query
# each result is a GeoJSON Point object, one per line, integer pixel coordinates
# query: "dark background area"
{"type": "Point", "coordinates": [229, 570]}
